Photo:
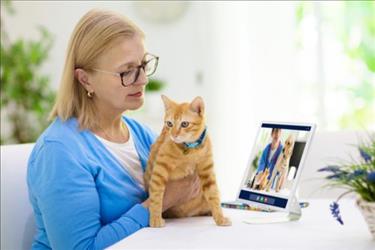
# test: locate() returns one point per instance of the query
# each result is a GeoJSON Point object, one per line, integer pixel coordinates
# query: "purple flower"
{"type": "Point", "coordinates": [333, 169]}
{"type": "Point", "coordinates": [335, 176]}
{"type": "Point", "coordinates": [365, 155]}
{"type": "Point", "coordinates": [359, 172]}
{"type": "Point", "coordinates": [356, 173]}
{"type": "Point", "coordinates": [335, 210]}
{"type": "Point", "coordinates": [336, 172]}
{"type": "Point", "coordinates": [371, 177]}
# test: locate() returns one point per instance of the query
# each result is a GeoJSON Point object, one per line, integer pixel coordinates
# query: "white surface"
{"type": "Point", "coordinates": [17, 220]}
{"type": "Point", "coordinates": [316, 230]}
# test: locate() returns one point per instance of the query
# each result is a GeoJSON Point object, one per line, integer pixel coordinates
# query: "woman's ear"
{"type": "Point", "coordinates": [197, 105]}
{"type": "Point", "coordinates": [83, 79]}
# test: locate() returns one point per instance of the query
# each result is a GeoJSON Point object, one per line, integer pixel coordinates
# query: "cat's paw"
{"type": "Point", "coordinates": [223, 221]}
{"type": "Point", "coordinates": [157, 222]}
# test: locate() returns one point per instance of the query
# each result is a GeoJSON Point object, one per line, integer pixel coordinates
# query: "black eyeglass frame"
{"type": "Point", "coordinates": [138, 68]}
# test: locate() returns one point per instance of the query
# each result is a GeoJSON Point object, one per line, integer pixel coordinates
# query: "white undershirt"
{"type": "Point", "coordinates": [272, 153]}
{"type": "Point", "coordinates": [127, 155]}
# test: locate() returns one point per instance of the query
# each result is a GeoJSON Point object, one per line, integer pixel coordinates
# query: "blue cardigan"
{"type": "Point", "coordinates": [265, 162]}
{"type": "Point", "coordinates": [82, 197]}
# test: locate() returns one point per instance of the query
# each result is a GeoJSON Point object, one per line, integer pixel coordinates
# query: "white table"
{"type": "Point", "coordinates": [316, 230]}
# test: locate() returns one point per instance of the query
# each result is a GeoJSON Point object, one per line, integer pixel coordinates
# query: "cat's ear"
{"type": "Point", "coordinates": [197, 105]}
{"type": "Point", "coordinates": [167, 102]}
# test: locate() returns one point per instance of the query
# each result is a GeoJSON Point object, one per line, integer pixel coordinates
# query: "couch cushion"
{"type": "Point", "coordinates": [17, 220]}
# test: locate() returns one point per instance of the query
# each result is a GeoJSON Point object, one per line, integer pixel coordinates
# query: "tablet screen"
{"type": "Point", "coordinates": [275, 164]}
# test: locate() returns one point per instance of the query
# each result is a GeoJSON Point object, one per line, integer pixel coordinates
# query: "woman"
{"type": "Point", "coordinates": [268, 160]}
{"type": "Point", "coordinates": [85, 174]}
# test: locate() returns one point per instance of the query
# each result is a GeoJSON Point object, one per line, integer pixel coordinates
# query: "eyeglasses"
{"type": "Point", "coordinates": [129, 77]}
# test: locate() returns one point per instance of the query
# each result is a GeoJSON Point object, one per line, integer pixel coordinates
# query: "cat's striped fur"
{"type": "Point", "coordinates": [170, 159]}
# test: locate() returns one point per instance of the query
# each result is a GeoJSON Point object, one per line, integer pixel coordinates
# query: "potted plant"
{"type": "Point", "coordinates": [26, 97]}
{"type": "Point", "coordinates": [358, 177]}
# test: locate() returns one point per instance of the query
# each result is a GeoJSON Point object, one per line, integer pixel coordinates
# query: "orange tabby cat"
{"type": "Point", "coordinates": [182, 149]}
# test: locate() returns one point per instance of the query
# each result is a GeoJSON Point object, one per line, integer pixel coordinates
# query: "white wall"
{"type": "Point", "coordinates": [180, 41]}
{"type": "Point", "coordinates": [253, 44]}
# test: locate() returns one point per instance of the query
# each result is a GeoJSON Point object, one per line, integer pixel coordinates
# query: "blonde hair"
{"type": "Point", "coordinates": [95, 33]}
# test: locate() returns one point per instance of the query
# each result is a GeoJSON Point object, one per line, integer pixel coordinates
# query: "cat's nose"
{"type": "Point", "coordinates": [174, 133]}
{"type": "Point", "coordinates": [176, 139]}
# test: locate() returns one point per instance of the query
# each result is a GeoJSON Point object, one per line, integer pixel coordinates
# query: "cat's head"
{"type": "Point", "coordinates": [185, 122]}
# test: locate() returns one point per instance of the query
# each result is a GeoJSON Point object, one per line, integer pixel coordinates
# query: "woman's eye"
{"type": "Point", "coordinates": [184, 124]}
{"type": "Point", "coordinates": [169, 124]}
{"type": "Point", "coordinates": [128, 71]}
{"type": "Point", "coordinates": [125, 73]}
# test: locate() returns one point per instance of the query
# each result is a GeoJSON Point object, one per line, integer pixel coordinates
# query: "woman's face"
{"type": "Point", "coordinates": [109, 93]}
{"type": "Point", "coordinates": [276, 136]}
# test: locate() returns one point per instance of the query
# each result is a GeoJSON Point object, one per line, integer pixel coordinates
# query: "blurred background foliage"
{"type": "Point", "coordinates": [26, 96]}
{"type": "Point", "coordinates": [353, 24]}
{"type": "Point", "coordinates": [360, 23]}
{"type": "Point", "coordinates": [155, 85]}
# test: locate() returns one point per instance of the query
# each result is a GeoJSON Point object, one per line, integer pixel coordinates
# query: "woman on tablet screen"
{"type": "Point", "coordinates": [268, 160]}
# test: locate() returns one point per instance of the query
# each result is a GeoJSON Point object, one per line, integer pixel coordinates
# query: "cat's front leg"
{"type": "Point", "coordinates": [211, 192]}
{"type": "Point", "coordinates": [156, 192]}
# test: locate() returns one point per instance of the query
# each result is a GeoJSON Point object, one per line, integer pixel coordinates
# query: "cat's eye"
{"type": "Point", "coordinates": [184, 124]}
{"type": "Point", "coordinates": [169, 124]}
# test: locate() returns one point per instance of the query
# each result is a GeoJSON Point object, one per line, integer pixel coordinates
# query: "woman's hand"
{"type": "Point", "coordinates": [179, 191]}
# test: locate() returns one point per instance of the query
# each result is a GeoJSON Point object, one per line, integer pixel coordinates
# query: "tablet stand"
{"type": "Point", "coordinates": [293, 214]}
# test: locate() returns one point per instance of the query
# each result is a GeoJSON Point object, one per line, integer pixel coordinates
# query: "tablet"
{"type": "Point", "coordinates": [275, 165]}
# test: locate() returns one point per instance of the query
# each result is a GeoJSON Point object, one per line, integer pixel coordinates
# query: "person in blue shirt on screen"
{"type": "Point", "coordinates": [85, 173]}
{"type": "Point", "coordinates": [269, 156]}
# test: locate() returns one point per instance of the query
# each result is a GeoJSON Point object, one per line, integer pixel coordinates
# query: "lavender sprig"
{"type": "Point", "coordinates": [332, 168]}
{"type": "Point", "coordinates": [365, 156]}
{"type": "Point", "coordinates": [371, 177]}
{"type": "Point", "coordinates": [335, 210]}
{"type": "Point", "coordinates": [355, 176]}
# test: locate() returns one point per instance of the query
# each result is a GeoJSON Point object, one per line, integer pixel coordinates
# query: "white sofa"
{"type": "Point", "coordinates": [17, 222]}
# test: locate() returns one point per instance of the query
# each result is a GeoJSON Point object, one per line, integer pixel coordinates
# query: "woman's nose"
{"type": "Point", "coordinates": [142, 78]}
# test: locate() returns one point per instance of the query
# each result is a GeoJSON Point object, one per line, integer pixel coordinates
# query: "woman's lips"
{"type": "Point", "coordinates": [137, 94]}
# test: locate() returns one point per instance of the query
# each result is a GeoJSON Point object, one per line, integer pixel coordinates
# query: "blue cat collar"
{"type": "Point", "coordinates": [198, 142]}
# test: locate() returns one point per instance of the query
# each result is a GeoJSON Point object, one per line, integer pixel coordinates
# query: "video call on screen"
{"type": "Point", "coordinates": [275, 164]}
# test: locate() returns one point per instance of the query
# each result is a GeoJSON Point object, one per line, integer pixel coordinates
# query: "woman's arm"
{"type": "Point", "coordinates": [263, 160]}
{"type": "Point", "coordinates": [66, 195]}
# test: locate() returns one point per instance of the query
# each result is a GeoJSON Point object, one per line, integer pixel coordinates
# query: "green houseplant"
{"type": "Point", "coordinates": [357, 176]}
{"type": "Point", "coordinates": [26, 97]}
{"type": "Point", "coordinates": [154, 85]}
